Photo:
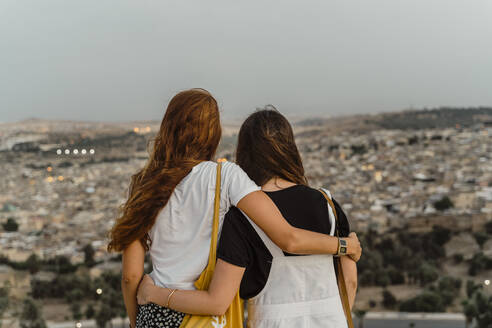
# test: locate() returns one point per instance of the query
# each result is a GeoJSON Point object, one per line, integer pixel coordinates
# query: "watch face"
{"type": "Point", "coordinates": [343, 250]}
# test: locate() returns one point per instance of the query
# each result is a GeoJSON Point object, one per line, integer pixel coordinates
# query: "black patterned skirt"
{"type": "Point", "coordinates": [155, 316]}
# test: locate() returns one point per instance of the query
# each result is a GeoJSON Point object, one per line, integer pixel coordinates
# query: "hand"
{"type": "Point", "coordinates": [354, 250]}
{"type": "Point", "coordinates": [144, 290]}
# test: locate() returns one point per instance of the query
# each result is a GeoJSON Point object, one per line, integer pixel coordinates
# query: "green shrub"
{"type": "Point", "coordinates": [443, 204]}
{"type": "Point", "coordinates": [425, 302]}
{"type": "Point", "coordinates": [11, 225]}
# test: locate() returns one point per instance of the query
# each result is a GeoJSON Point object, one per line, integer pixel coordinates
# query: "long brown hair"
{"type": "Point", "coordinates": [266, 148]}
{"type": "Point", "coordinates": [189, 134]}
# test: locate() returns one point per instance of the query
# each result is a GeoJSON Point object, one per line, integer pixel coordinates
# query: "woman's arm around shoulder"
{"type": "Point", "coordinates": [214, 301]}
{"type": "Point", "coordinates": [262, 210]}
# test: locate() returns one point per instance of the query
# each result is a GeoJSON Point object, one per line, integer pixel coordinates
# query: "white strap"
{"type": "Point", "coordinates": [270, 245]}
{"type": "Point", "coordinates": [331, 215]}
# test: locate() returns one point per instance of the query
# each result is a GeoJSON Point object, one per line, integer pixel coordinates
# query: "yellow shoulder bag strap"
{"type": "Point", "coordinates": [340, 278]}
{"type": "Point", "coordinates": [234, 316]}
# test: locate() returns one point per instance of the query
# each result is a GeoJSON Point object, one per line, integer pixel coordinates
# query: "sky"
{"type": "Point", "coordinates": [119, 60]}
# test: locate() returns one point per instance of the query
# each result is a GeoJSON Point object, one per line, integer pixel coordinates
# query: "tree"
{"type": "Point", "coordinates": [370, 264]}
{"type": "Point", "coordinates": [483, 315]}
{"type": "Point", "coordinates": [458, 258]}
{"type": "Point", "coordinates": [11, 225]}
{"type": "Point", "coordinates": [383, 279]}
{"type": "Point", "coordinates": [74, 298]}
{"type": "Point", "coordinates": [4, 301]}
{"type": "Point", "coordinates": [396, 276]}
{"type": "Point", "coordinates": [76, 309]}
{"type": "Point", "coordinates": [31, 316]}
{"type": "Point", "coordinates": [478, 263]}
{"type": "Point", "coordinates": [443, 204]}
{"type": "Point", "coordinates": [89, 255]}
{"type": "Point", "coordinates": [440, 235]}
{"type": "Point", "coordinates": [33, 264]}
{"type": "Point", "coordinates": [389, 300]}
{"type": "Point", "coordinates": [428, 301]}
{"type": "Point", "coordinates": [488, 227]}
{"type": "Point", "coordinates": [103, 315]}
{"type": "Point", "coordinates": [90, 312]}
{"type": "Point", "coordinates": [448, 288]}
{"type": "Point", "coordinates": [360, 314]}
{"type": "Point", "coordinates": [470, 311]}
{"type": "Point", "coordinates": [427, 274]}
{"type": "Point", "coordinates": [481, 238]}
{"type": "Point", "coordinates": [471, 288]}
{"type": "Point", "coordinates": [60, 264]}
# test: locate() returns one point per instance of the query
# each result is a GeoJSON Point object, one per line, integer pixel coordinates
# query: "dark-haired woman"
{"type": "Point", "coordinates": [169, 209]}
{"type": "Point", "coordinates": [283, 290]}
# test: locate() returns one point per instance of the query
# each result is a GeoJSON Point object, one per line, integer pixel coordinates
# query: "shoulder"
{"type": "Point", "coordinates": [232, 169]}
{"type": "Point", "coordinates": [204, 167]}
{"type": "Point", "coordinates": [330, 195]}
{"type": "Point", "coordinates": [310, 194]}
{"type": "Point", "coordinates": [317, 196]}
{"type": "Point", "coordinates": [228, 168]}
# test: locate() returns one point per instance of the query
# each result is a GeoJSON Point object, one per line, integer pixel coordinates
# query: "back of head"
{"type": "Point", "coordinates": [266, 148]}
{"type": "Point", "coordinates": [190, 129]}
{"type": "Point", "coordinates": [190, 133]}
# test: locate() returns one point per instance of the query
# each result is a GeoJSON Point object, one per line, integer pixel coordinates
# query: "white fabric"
{"type": "Point", "coordinates": [301, 291]}
{"type": "Point", "coordinates": [182, 232]}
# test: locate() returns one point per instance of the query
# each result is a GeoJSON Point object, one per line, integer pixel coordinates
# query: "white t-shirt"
{"type": "Point", "coordinates": [182, 232]}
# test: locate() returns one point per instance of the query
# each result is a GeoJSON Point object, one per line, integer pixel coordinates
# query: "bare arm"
{"type": "Point", "coordinates": [261, 209]}
{"type": "Point", "coordinates": [215, 301]}
{"type": "Point", "coordinates": [349, 268]}
{"type": "Point", "coordinates": [133, 269]}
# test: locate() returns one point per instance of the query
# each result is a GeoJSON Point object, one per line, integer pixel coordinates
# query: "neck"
{"type": "Point", "coordinates": [275, 184]}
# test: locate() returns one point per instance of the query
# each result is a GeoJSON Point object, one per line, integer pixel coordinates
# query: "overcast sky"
{"type": "Point", "coordinates": [117, 60]}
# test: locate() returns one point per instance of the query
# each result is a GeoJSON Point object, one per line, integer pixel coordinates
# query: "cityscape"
{"type": "Point", "coordinates": [419, 173]}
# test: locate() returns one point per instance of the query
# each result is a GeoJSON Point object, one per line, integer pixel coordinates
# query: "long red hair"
{"type": "Point", "coordinates": [189, 134]}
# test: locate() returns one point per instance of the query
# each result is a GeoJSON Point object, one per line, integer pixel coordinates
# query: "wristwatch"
{"type": "Point", "coordinates": [342, 247]}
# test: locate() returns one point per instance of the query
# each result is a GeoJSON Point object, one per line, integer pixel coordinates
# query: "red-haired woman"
{"type": "Point", "coordinates": [170, 208]}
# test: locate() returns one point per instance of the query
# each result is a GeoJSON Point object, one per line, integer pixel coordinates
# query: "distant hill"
{"type": "Point", "coordinates": [444, 117]}
{"type": "Point", "coordinates": [436, 118]}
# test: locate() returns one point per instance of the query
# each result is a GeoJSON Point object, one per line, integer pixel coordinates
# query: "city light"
{"type": "Point", "coordinates": [60, 178]}
{"type": "Point", "coordinates": [136, 130]}
{"type": "Point", "coordinates": [99, 291]}
{"type": "Point", "coordinates": [49, 179]}
{"type": "Point", "coordinates": [76, 151]}
{"type": "Point", "coordinates": [147, 129]}
{"type": "Point", "coordinates": [487, 282]}
{"type": "Point", "coordinates": [49, 169]}
{"type": "Point", "coordinates": [78, 324]}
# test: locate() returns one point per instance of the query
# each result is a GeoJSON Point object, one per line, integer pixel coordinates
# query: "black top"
{"type": "Point", "coordinates": [239, 244]}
